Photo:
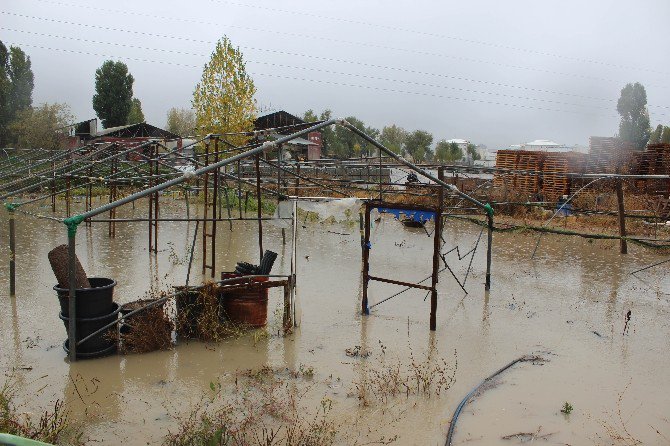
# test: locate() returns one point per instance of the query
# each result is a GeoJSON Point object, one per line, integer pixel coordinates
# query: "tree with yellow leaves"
{"type": "Point", "coordinates": [224, 100]}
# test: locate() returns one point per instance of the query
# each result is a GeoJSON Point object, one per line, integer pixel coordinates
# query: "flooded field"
{"type": "Point", "coordinates": [568, 305]}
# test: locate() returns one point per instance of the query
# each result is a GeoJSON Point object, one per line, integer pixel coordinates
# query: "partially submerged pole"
{"type": "Point", "coordinates": [436, 251]}
{"type": "Point", "coordinates": [366, 259]}
{"type": "Point", "coordinates": [489, 245]}
{"type": "Point", "coordinates": [72, 224]}
{"type": "Point", "coordinates": [622, 217]}
{"type": "Point", "coordinates": [258, 206]}
{"type": "Point", "coordinates": [12, 251]}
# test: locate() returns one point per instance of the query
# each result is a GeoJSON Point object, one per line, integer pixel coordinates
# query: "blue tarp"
{"type": "Point", "coordinates": [418, 216]}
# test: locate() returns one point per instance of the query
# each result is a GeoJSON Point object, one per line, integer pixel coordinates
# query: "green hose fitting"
{"type": "Point", "coordinates": [11, 207]}
{"type": "Point", "coordinates": [72, 223]}
{"type": "Point", "coordinates": [489, 209]}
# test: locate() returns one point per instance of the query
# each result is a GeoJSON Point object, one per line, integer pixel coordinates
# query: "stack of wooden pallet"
{"type": "Point", "coordinates": [609, 155]}
{"type": "Point", "coordinates": [529, 182]}
{"type": "Point", "coordinates": [505, 160]}
{"type": "Point", "coordinates": [555, 182]}
{"type": "Point", "coordinates": [655, 160]}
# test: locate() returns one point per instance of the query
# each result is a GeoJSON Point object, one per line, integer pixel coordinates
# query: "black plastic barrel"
{"type": "Point", "coordinates": [99, 345]}
{"type": "Point", "coordinates": [91, 302]}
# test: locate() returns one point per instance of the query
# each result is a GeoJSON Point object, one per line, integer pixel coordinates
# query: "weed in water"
{"type": "Point", "coordinates": [567, 408]}
{"type": "Point", "coordinates": [52, 427]}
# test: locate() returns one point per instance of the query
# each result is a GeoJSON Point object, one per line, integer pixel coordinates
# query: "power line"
{"type": "Point", "coordinates": [368, 87]}
{"type": "Point", "coordinates": [321, 70]}
{"type": "Point", "coordinates": [436, 35]}
{"type": "Point", "coordinates": [330, 59]}
{"type": "Point", "coordinates": [329, 39]}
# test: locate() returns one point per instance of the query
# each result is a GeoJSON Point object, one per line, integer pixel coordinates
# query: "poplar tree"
{"type": "Point", "coordinates": [223, 100]}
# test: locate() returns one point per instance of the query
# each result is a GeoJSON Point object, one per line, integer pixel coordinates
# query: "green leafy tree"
{"type": "Point", "coordinates": [327, 133]}
{"type": "Point", "coordinates": [417, 145]}
{"type": "Point", "coordinates": [632, 106]}
{"type": "Point", "coordinates": [442, 151]}
{"type": "Point", "coordinates": [447, 152]}
{"type": "Point", "coordinates": [455, 151]}
{"type": "Point", "coordinates": [16, 87]}
{"type": "Point", "coordinates": [113, 96]}
{"type": "Point", "coordinates": [393, 138]}
{"type": "Point", "coordinates": [135, 116]}
{"type": "Point", "coordinates": [22, 81]}
{"type": "Point", "coordinates": [665, 136]}
{"type": "Point", "coordinates": [310, 116]}
{"type": "Point", "coordinates": [472, 150]}
{"type": "Point", "coordinates": [370, 149]}
{"type": "Point", "coordinates": [180, 121]}
{"type": "Point", "coordinates": [41, 127]}
{"type": "Point", "coordinates": [346, 143]}
{"type": "Point", "coordinates": [5, 87]}
{"type": "Point", "coordinates": [223, 100]}
{"type": "Point", "coordinates": [655, 136]}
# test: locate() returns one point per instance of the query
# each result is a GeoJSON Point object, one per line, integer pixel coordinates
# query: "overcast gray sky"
{"type": "Point", "coordinates": [493, 72]}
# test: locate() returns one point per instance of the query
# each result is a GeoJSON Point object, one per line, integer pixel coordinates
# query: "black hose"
{"type": "Point", "coordinates": [457, 412]}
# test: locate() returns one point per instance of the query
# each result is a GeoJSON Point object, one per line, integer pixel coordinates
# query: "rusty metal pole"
{"type": "Point", "coordinates": [258, 206]}
{"type": "Point", "coordinates": [436, 251]}
{"type": "Point", "coordinates": [67, 195]}
{"type": "Point", "coordinates": [72, 325]}
{"type": "Point", "coordinates": [622, 217]}
{"type": "Point", "coordinates": [53, 186]}
{"type": "Point", "coordinates": [366, 259]}
{"type": "Point", "coordinates": [489, 226]}
{"type": "Point", "coordinates": [89, 194]}
{"type": "Point", "coordinates": [156, 198]}
{"type": "Point", "coordinates": [12, 254]}
{"type": "Point", "coordinates": [205, 195]}
{"type": "Point", "coordinates": [215, 195]}
{"type": "Point", "coordinates": [239, 188]}
{"type": "Point", "coordinates": [287, 319]}
{"type": "Point", "coordinates": [297, 180]}
{"type": "Point", "coordinates": [279, 194]}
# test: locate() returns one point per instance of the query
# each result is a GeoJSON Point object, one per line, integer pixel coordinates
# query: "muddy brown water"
{"type": "Point", "coordinates": [569, 304]}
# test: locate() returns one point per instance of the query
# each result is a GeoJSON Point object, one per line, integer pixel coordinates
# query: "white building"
{"type": "Point", "coordinates": [461, 143]}
{"type": "Point", "coordinates": [541, 145]}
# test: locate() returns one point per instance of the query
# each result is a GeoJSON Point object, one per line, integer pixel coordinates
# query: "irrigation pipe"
{"type": "Point", "coordinates": [639, 240]}
{"type": "Point", "coordinates": [651, 266]}
{"type": "Point", "coordinates": [457, 412]}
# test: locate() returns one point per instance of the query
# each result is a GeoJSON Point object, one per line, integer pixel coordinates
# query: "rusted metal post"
{"type": "Point", "coordinates": [53, 186]}
{"type": "Point", "coordinates": [288, 311]}
{"type": "Point", "coordinates": [366, 259]}
{"type": "Point", "coordinates": [258, 206]}
{"type": "Point", "coordinates": [67, 195]}
{"type": "Point", "coordinates": [436, 251]}
{"type": "Point", "coordinates": [205, 209]}
{"type": "Point", "coordinates": [622, 217]}
{"type": "Point", "coordinates": [72, 325]}
{"type": "Point", "coordinates": [89, 194]}
{"type": "Point", "coordinates": [12, 254]}
{"type": "Point", "coordinates": [279, 194]}
{"type": "Point", "coordinates": [153, 200]}
{"type": "Point", "coordinates": [379, 173]}
{"type": "Point", "coordinates": [489, 226]}
{"type": "Point", "coordinates": [239, 188]}
{"type": "Point", "coordinates": [297, 180]}
{"type": "Point", "coordinates": [112, 197]}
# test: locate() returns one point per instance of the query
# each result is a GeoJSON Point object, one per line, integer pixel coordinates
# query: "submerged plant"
{"type": "Point", "coordinates": [567, 408]}
{"type": "Point", "coordinates": [52, 427]}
